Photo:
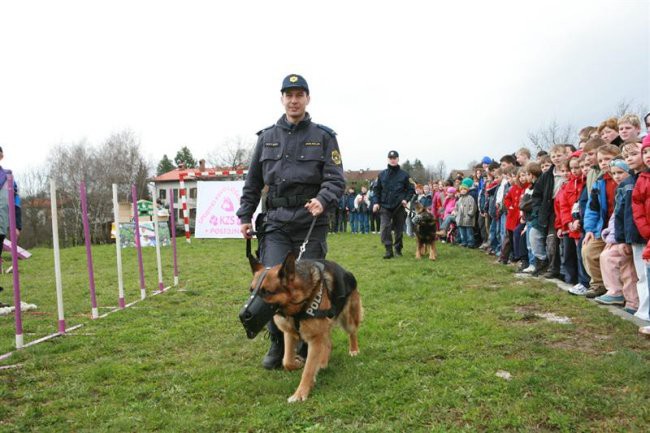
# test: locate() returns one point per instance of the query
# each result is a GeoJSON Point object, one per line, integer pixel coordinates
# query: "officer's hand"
{"type": "Point", "coordinates": [404, 203]}
{"type": "Point", "coordinates": [375, 208]}
{"type": "Point", "coordinates": [314, 207]}
{"type": "Point", "coordinates": [246, 230]}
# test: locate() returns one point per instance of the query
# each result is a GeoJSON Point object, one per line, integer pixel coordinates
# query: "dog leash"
{"type": "Point", "coordinates": [304, 244]}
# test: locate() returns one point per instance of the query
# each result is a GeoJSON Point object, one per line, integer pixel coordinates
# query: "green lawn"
{"type": "Point", "coordinates": [435, 335]}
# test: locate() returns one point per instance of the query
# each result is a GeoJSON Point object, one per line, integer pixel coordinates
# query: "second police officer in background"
{"type": "Point", "coordinates": [393, 190]}
{"type": "Point", "coordinates": [300, 162]}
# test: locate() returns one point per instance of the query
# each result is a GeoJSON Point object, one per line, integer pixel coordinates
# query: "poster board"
{"type": "Point", "coordinates": [216, 205]}
{"type": "Point", "coordinates": [147, 234]}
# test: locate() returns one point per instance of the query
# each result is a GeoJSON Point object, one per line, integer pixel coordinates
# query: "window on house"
{"type": "Point", "coordinates": [162, 193]}
{"type": "Point", "coordinates": [192, 192]}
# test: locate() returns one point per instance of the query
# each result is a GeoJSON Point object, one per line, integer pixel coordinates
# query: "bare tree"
{"type": "Point", "coordinates": [626, 106]}
{"type": "Point", "coordinates": [473, 163]}
{"type": "Point", "coordinates": [550, 134]}
{"type": "Point", "coordinates": [438, 171]}
{"type": "Point", "coordinates": [235, 152]}
{"type": "Point", "coordinates": [118, 160]}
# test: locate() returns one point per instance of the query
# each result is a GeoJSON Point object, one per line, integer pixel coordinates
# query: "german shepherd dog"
{"type": "Point", "coordinates": [310, 296]}
{"type": "Point", "coordinates": [425, 232]}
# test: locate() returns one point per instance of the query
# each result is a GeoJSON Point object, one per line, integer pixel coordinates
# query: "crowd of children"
{"type": "Point", "coordinates": [577, 213]}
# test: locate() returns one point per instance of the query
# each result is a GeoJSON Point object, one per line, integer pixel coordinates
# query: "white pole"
{"type": "Point", "coordinates": [57, 256]}
{"type": "Point", "coordinates": [118, 248]}
{"type": "Point", "coordinates": [161, 286]}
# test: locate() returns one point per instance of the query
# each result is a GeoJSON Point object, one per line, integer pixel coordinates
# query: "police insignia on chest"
{"type": "Point", "coordinates": [336, 157]}
{"type": "Point", "coordinates": [271, 144]}
{"type": "Point", "coordinates": [311, 143]}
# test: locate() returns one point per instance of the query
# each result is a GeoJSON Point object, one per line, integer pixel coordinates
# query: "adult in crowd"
{"type": "Point", "coordinates": [393, 190]}
{"type": "Point", "coordinates": [300, 161]}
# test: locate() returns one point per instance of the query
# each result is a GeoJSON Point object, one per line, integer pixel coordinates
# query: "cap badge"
{"type": "Point", "coordinates": [293, 78]}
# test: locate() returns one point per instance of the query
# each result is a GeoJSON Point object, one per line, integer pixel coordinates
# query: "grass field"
{"type": "Point", "coordinates": [434, 337]}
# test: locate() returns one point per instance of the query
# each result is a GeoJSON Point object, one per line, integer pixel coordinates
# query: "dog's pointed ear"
{"type": "Point", "coordinates": [288, 268]}
{"type": "Point", "coordinates": [255, 264]}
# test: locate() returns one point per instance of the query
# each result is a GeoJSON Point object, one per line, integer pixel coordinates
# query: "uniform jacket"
{"type": "Point", "coordinates": [393, 186]}
{"type": "Point", "coordinates": [465, 210]}
{"type": "Point", "coordinates": [292, 159]}
{"type": "Point", "coordinates": [596, 210]}
{"type": "Point", "coordinates": [641, 208]}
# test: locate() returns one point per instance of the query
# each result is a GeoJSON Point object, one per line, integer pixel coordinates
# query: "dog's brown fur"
{"type": "Point", "coordinates": [293, 286]}
{"type": "Point", "coordinates": [425, 232]}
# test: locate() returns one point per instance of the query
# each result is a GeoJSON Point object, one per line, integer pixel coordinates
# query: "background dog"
{"type": "Point", "coordinates": [425, 232]}
{"type": "Point", "coordinates": [311, 296]}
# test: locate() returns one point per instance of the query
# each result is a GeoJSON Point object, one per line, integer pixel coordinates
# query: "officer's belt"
{"type": "Point", "coordinates": [291, 201]}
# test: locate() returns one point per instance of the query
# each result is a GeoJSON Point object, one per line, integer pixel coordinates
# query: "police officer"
{"type": "Point", "coordinates": [300, 162]}
{"type": "Point", "coordinates": [392, 191]}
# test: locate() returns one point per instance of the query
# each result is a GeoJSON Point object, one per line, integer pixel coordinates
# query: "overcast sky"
{"type": "Point", "coordinates": [448, 81]}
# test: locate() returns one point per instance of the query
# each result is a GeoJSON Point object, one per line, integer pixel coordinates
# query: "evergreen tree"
{"type": "Point", "coordinates": [418, 172]}
{"type": "Point", "coordinates": [407, 167]}
{"type": "Point", "coordinates": [165, 165]}
{"type": "Point", "coordinates": [185, 156]}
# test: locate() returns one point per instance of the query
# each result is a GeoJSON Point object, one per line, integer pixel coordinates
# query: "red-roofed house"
{"type": "Point", "coordinates": [171, 180]}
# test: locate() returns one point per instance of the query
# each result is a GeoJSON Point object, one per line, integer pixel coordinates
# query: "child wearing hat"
{"type": "Point", "coordinates": [616, 264]}
{"type": "Point", "coordinates": [448, 211]}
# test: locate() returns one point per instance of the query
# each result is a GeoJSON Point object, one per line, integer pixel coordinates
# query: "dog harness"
{"type": "Point", "coordinates": [313, 311]}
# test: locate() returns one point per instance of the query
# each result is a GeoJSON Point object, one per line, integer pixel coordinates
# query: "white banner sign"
{"type": "Point", "coordinates": [216, 204]}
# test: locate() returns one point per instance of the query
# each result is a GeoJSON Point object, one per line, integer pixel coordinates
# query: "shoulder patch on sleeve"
{"type": "Point", "coordinates": [261, 131]}
{"type": "Point", "coordinates": [330, 131]}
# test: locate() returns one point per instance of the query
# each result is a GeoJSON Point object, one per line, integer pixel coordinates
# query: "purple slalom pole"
{"type": "Point", "coordinates": [14, 261]}
{"type": "Point", "coordinates": [138, 245]}
{"type": "Point", "coordinates": [89, 255]}
{"type": "Point", "coordinates": [172, 230]}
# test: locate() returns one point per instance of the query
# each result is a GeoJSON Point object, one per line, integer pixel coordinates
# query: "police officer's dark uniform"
{"type": "Point", "coordinates": [392, 187]}
{"type": "Point", "coordinates": [298, 162]}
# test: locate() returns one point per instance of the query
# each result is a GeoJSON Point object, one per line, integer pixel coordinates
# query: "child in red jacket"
{"type": "Point", "coordinates": [566, 197]}
{"type": "Point", "coordinates": [511, 207]}
{"type": "Point", "coordinates": [641, 212]}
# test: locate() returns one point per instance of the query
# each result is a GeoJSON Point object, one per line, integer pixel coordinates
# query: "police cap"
{"type": "Point", "coordinates": [393, 154]}
{"type": "Point", "coordinates": [294, 81]}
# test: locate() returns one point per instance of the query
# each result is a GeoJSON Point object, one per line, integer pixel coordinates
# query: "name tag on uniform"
{"type": "Point", "coordinates": [271, 144]}
{"type": "Point", "coordinates": [312, 143]}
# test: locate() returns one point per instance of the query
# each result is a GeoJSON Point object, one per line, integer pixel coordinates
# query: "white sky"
{"type": "Point", "coordinates": [434, 80]}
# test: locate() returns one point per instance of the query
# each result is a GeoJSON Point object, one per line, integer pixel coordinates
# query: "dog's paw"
{"type": "Point", "coordinates": [297, 396]}
{"type": "Point", "coordinates": [354, 352]}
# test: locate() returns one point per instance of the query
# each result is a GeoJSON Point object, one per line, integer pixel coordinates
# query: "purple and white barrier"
{"type": "Point", "coordinates": [138, 244]}
{"type": "Point", "coordinates": [89, 255]}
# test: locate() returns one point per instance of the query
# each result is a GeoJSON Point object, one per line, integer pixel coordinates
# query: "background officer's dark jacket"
{"type": "Point", "coordinates": [393, 185]}
{"type": "Point", "coordinates": [294, 160]}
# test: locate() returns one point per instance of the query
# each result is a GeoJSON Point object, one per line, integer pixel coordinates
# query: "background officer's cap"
{"type": "Point", "coordinates": [294, 81]}
{"type": "Point", "coordinates": [393, 154]}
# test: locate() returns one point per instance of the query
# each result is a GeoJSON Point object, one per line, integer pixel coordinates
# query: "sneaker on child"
{"type": "Point", "coordinates": [578, 290]}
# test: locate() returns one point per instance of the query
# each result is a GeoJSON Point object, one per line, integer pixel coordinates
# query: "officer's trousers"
{"type": "Point", "coordinates": [279, 239]}
{"type": "Point", "coordinates": [392, 220]}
